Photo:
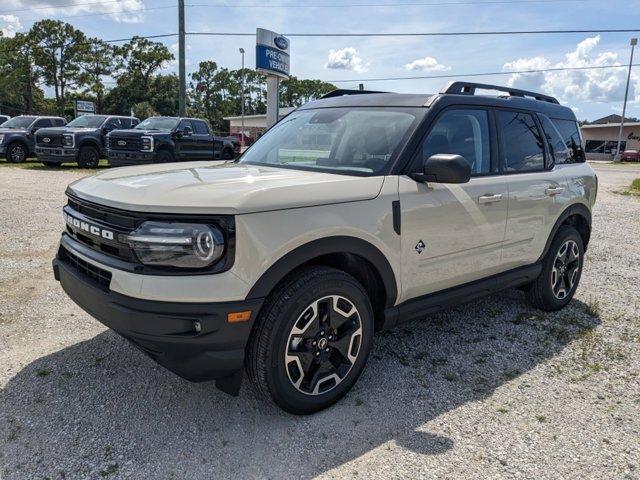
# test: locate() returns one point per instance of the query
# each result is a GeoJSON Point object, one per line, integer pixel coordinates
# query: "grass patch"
{"type": "Point", "coordinates": [634, 189]}
{"type": "Point", "coordinates": [33, 164]}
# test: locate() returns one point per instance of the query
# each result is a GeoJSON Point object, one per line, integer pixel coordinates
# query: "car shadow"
{"type": "Point", "coordinates": [101, 408]}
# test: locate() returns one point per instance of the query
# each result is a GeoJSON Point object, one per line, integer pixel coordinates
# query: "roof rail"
{"type": "Point", "coordinates": [469, 88]}
{"type": "Point", "coordinates": [343, 91]}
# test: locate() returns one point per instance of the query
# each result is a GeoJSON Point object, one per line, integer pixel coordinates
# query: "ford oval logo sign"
{"type": "Point", "coordinates": [46, 139]}
{"type": "Point", "coordinates": [281, 43]}
{"type": "Point", "coordinates": [122, 143]}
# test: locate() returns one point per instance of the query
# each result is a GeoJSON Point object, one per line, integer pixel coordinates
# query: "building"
{"type": "Point", "coordinates": [254, 125]}
{"type": "Point", "coordinates": [601, 139]}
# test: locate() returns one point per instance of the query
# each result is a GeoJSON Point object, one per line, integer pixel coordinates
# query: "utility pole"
{"type": "Point", "coordinates": [183, 88]}
{"type": "Point", "coordinates": [242, 100]}
{"type": "Point", "coordinates": [617, 158]}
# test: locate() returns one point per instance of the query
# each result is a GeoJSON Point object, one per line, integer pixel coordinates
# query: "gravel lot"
{"type": "Point", "coordinates": [493, 389]}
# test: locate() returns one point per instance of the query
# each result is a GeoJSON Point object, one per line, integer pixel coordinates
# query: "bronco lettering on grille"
{"type": "Point", "coordinates": [88, 227]}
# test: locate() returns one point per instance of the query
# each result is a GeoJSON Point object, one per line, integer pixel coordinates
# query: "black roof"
{"type": "Point", "coordinates": [514, 98]}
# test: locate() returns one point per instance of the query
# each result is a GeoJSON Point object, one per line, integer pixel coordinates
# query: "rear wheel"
{"type": "Point", "coordinates": [561, 271]}
{"type": "Point", "coordinates": [311, 340]}
{"type": "Point", "coordinates": [16, 153]}
{"type": "Point", "coordinates": [88, 157]}
{"type": "Point", "coordinates": [227, 154]}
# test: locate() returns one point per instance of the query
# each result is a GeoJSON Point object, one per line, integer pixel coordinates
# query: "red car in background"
{"type": "Point", "coordinates": [238, 136]}
{"type": "Point", "coordinates": [630, 156]}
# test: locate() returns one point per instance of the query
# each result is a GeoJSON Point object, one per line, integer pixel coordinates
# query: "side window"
{"type": "Point", "coordinates": [462, 132]}
{"type": "Point", "coordinates": [201, 128]}
{"type": "Point", "coordinates": [42, 123]}
{"type": "Point", "coordinates": [569, 132]}
{"type": "Point", "coordinates": [522, 144]}
{"type": "Point", "coordinates": [184, 124]}
{"type": "Point", "coordinates": [134, 122]}
{"type": "Point", "coordinates": [113, 124]}
{"type": "Point", "coordinates": [559, 151]}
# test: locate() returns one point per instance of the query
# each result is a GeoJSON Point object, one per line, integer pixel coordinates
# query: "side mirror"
{"type": "Point", "coordinates": [444, 168]}
{"type": "Point", "coordinates": [187, 132]}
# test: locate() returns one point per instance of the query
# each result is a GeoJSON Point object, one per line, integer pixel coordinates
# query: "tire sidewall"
{"type": "Point", "coordinates": [280, 386]}
{"type": "Point", "coordinates": [84, 153]}
{"type": "Point", "coordinates": [564, 234]}
{"type": "Point", "coordinates": [10, 150]}
{"type": "Point", "coordinates": [164, 157]}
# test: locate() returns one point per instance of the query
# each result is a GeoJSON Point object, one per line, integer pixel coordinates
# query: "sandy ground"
{"type": "Point", "coordinates": [493, 389]}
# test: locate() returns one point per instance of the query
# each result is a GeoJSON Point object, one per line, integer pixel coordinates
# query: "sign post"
{"type": "Point", "coordinates": [272, 60]}
{"type": "Point", "coordinates": [83, 107]}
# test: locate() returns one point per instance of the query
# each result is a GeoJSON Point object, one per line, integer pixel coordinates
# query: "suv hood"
{"type": "Point", "coordinates": [61, 130]}
{"type": "Point", "coordinates": [207, 187]}
{"type": "Point", "coordinates": [13, 130]}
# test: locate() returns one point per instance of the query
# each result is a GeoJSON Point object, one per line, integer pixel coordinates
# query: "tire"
{"type": "Point", "coordinates": [164, 156]}
{"type": "Point", "coordinates": [227, 154]}
{"type": "Point", "coordinates": [561, 270]}
{"type": "Point", "coordinates": [288, 334]}
{"type": "Point", "coordinates": [16, 153]}
{"type": "Point", "coordinates": [88, 157]}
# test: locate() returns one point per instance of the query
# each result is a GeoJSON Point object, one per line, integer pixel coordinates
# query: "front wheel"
{"type": "Point", "coordinates": [311, 341]}
{"type": "Point", "coordinates": [16, 153]}
{"type": "Point", "coordinates": [561, 271]}
{"type": "Point", "coordinates": [88, 157]}
{"type": "Point", "coordinates": [164, 156]}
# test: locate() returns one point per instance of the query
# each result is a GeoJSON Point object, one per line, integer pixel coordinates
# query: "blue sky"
{"type": "Point", "coordinates": [591, 93]}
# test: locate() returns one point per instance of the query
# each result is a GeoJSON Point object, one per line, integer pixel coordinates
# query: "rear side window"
{"type": "Point", "coordinates": [58, 122]}
{"type": "Point", "coordinates": [568, 130]}
{"type": "Point", "coordinates": [201, 127]}
{"type": "Point", "coordinates": [522, 144]}
{"type": "Point", "coordinates": [559, 151]}
{"type": "Point", "coordinates": [462, 132]}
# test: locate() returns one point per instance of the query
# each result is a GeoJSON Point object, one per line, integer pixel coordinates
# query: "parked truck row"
{"type": "Point", "coordinates": [121, 140]}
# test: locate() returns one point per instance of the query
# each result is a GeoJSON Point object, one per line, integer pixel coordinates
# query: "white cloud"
{"type": "Point", "coordinates": [346, 59]}
{"type": "Point", "coordinates": [9, 25]}
{"type": "Point", "coordinates": [599, 85]}
{"type": "Point", "coordinates": [426, 64]}
{"type": "Point", "coordinates": [126, 11]}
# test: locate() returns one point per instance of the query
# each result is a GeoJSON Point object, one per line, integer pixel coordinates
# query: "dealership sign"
{"type": "Point", "coordinates": [272, 53]}
{"type": "Point", "coordinates": [83, 107]}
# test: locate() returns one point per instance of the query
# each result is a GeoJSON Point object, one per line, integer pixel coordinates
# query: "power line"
{"type": "Point", "coordinates": [485, 74]}
{"type": "Point", "coordinates": [370, 5]}
{"type": "Point", "coordinates": [65, 5]}
{"type": "Point", "coordinates": [425, 34]}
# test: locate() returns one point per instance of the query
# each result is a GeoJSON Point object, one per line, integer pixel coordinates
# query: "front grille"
{"type": "Point", "coordinates": [124, 143]}
{"type": "Point", "coordinates": [99, 275]}
{"type": "Point", "coordinates": [55, 140]}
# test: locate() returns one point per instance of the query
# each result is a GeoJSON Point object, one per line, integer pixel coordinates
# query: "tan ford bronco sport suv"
{"type": "Point", "coordinates": [354, 213]}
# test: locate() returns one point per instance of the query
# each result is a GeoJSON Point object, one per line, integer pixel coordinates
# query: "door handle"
{"type": "Point", "coordinates": [490, 198]}
{"type": "Point", "coordinates": [551, 191]}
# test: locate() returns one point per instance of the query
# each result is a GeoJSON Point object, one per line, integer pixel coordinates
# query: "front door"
{"type": "Point", "coordinates": [452, 233]}
{"type": "Point", "coordinates": [188, 143]}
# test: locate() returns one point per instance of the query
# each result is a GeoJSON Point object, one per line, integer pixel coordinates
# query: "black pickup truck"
{"type": "Point", "coordinates": [168, 139]}
{"type": "Point", "coordinates": [17, 135]}
{"type": "Point", "coordinates": [82, 140]}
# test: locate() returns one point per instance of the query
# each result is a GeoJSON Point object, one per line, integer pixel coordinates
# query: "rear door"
{"type": "Point", "coordinates": [537, 188]}
{"type": "Point", "coordinates": [187, 145]}
{"type": "Point", "coordinates": [204, 140]}
{"type": "Point", "coordinates": [452, 234]}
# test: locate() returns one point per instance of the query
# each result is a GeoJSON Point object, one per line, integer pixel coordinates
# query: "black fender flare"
{"type": "Point", "coordinates": [325, 246]}
{"type": "Point", "coordinates": [575, 209]}
{"type": "Point", "coordinates": [90, 142]}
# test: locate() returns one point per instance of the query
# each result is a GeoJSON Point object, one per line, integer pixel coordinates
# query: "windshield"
{"type": "Point", "coordinates": [157, 123]}
{"type": "Point", "coordinates": [19, 122]}
{"type": "Point", "coordinates": [87, 121]}
{"type": "Point", "coordinates": [359, 141]}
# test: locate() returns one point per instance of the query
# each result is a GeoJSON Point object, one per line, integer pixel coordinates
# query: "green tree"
{"type": "Point", "coordinates": [96, 63]}
{"type": "Point", "coordinates": [58, 49]}
{"type": "Point", "coordinates": [18, 79]}
{"type": "Point", "coordinates": [141, 59]}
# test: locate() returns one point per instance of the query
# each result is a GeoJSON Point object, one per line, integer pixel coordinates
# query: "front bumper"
{"type": "Point", "coordinates": [56, 154]}
{"type": "Point", "coordinates": [193, 340]}
{"type": "Point", "coordinates": [121, 158]}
